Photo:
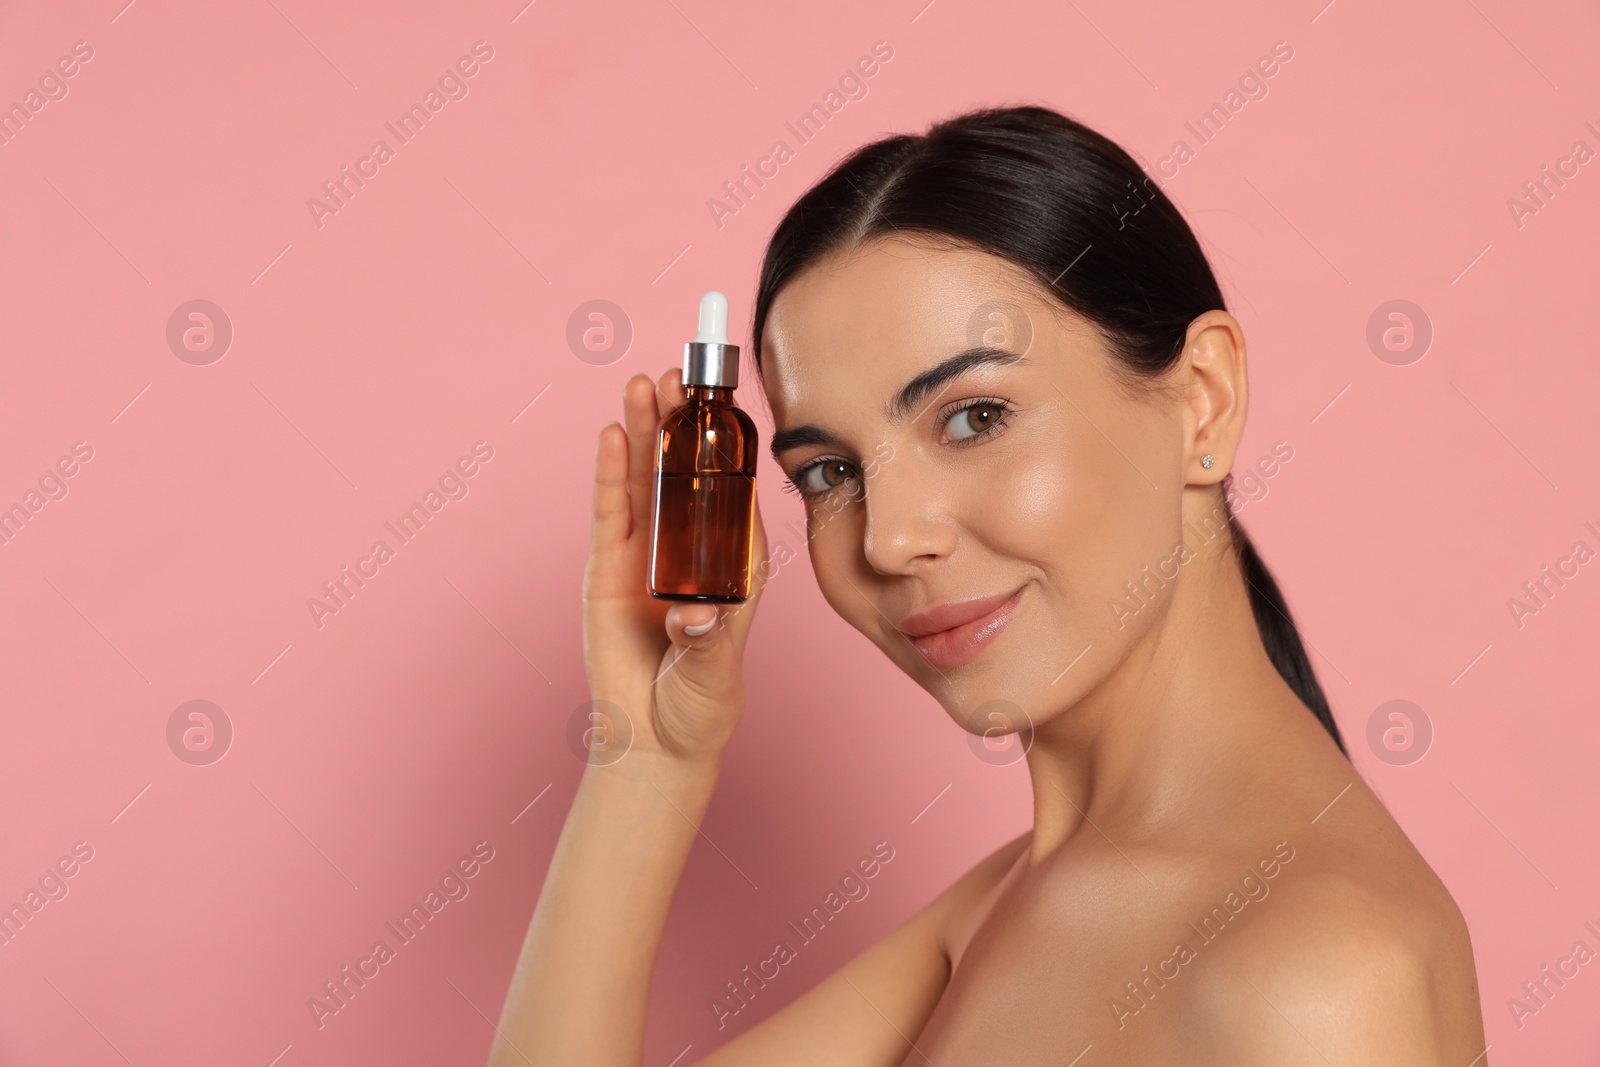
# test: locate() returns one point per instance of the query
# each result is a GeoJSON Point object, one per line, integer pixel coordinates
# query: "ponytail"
{"type": "Point", "coordinates": [1277, 629]}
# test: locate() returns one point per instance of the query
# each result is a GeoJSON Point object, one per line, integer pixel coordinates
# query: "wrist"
{"type": "Point", "coordinates": [677, 776]}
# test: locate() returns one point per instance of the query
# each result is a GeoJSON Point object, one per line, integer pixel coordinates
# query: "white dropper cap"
{"type": "Point", "coordinates": [713, 319]}
{"type": "Point", "coordinates": [710, 359]}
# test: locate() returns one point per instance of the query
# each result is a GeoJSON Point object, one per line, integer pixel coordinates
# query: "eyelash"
{"type": "Point", "coordinates": [797, 476]}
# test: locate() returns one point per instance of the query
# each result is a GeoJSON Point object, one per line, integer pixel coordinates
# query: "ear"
{"type": "Point", "coordinates": [1218, 395]}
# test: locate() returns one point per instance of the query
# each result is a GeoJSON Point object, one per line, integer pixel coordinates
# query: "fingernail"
{"type": "Point", "coordinates": [705, 627]}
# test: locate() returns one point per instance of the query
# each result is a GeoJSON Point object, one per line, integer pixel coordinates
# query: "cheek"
{"type": "Point", "coordinates": [1087, 522]}
{"type": "Point", "coordinates": [1032, 499]}
{"type": "Point", "coordinates": [846, 581]}
{"type": "Point", "coordinates": [833, 542]}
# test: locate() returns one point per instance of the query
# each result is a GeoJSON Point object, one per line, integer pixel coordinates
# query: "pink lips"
{"type": "Point", "coordinates": [954, 633]}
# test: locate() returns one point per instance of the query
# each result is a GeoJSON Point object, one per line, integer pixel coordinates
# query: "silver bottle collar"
{"type": "Point", "coordinates": [710, 364]}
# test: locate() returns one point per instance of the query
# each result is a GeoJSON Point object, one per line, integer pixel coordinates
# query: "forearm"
{"type": "Point", "coordinates": [579, 990]}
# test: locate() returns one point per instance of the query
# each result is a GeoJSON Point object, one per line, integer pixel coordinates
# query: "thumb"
{"type": "Point", "coordinates": [704, 651]}
{"type": "Point", "coordinates": [694, 626]}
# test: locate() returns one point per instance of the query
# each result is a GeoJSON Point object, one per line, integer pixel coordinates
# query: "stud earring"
{"type": "Point", "coordinates": [1207, 460]}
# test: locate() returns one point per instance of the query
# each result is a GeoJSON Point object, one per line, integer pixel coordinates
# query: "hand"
{"type": "Point", "coordinates": [683, 693]}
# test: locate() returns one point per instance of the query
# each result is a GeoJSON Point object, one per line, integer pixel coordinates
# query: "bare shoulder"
{"type": "Point", "coordinates": [962, 906]}
{"type": "Point", "coordinates": [1355, 958]}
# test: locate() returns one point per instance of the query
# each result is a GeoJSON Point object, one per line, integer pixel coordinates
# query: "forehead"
{"type": "Point", "coordinates": [860, 323]}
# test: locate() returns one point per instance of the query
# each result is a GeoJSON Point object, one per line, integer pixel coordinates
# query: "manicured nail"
{"type": "Point", "coordinates": [705, 627]}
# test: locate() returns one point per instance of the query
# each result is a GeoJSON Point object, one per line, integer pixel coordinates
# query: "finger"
{"type": "Point", "coordinates": [761, 559]}
{"type": "Point", "coordinates": [691, 624]}
{"type": "Point", "coordinates": [761, 539]}
{"type": "Point", "coordinates": [669, 389]}
{"type": "Point", "coordinates": [643, 420]}
{"type": "Point", "coordinates": [763, 568]}
{"type": "Point", "coordinates": [613, 515]}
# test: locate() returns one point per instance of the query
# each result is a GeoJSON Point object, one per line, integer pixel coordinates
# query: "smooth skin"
{"type": "Point", "coordinates": [1176, 778]}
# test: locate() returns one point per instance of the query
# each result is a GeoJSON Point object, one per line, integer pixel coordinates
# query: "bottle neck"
{"type": "Point", "coordinates": [706, 394]}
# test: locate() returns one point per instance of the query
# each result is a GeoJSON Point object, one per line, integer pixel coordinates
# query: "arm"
{"type": "Point", "coordinates": [673, 700]}
{"type": "Point", "coordinates": [579, 990]}
{"type": "Point", "coordinates": [869, 1011]}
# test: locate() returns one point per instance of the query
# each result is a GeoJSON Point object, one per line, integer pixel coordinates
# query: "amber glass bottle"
{"type": "Point", "coordinates": [703, 522]}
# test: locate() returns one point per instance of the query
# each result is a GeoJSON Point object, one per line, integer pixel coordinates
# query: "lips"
{"type": "Point", "coordinates": [954, 633]}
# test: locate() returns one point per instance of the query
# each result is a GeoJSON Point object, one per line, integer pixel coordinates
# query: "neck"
{"type": "Point", "coordinates": [707, 393]}
{"type": "Point", "coordinates": [1196, 703]}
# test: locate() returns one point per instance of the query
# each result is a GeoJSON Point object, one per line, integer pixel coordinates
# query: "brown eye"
{"type": "Point", "coordinates": [820, 478]}
{"type": "Point", "coordinates": [974, 420]}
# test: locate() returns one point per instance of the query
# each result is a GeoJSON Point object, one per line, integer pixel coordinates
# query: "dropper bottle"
{"type": "Point", "coordinates": [703, 520]}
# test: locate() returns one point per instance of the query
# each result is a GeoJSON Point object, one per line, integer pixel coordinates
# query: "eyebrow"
{"type": "Point", "coordinates": [908, 398]}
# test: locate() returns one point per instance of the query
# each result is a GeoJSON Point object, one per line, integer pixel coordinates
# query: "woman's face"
{"type": "Point", "coordinates": [1033, 487]}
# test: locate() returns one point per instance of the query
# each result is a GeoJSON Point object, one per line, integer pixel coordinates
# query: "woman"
{"type": "Point", "coordinates": [1004, 382]}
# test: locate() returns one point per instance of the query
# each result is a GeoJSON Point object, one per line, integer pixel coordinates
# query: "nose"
{"type": "Point", "coordinates": [909, 525]}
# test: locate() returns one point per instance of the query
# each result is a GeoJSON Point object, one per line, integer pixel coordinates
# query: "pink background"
{"type": "Point", "coordinates": [371, 352]}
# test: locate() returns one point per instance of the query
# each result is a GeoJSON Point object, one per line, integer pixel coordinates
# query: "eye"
{"type": "Point", "coordinates": [975, 418]}
{"type": "Point", "coordinates": [819, 477]}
